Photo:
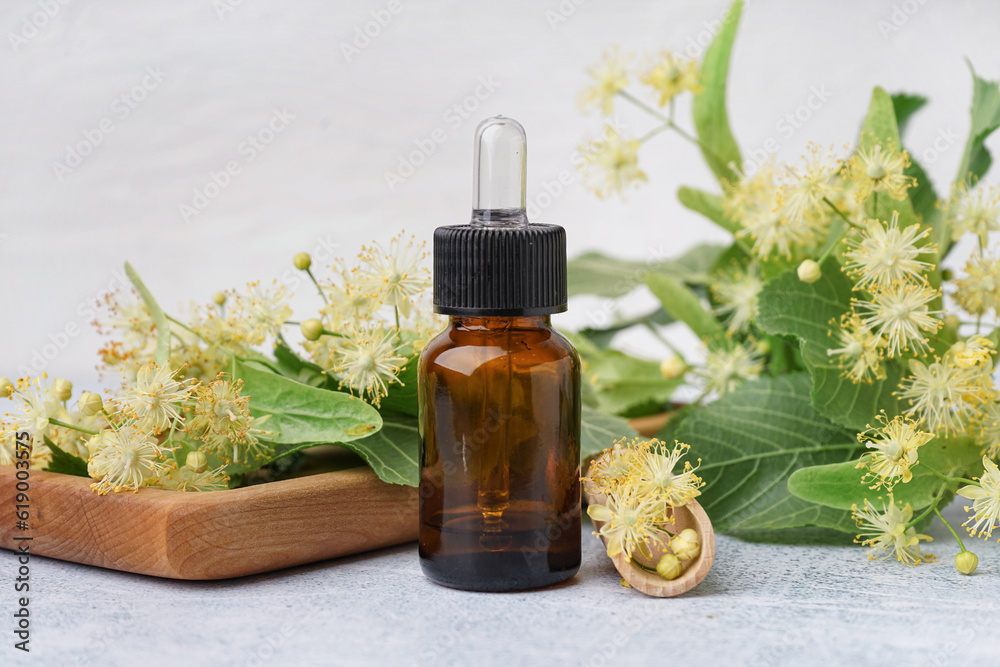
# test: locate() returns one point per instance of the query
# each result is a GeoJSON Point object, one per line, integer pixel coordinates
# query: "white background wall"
{"type": "Point", "coordinates": [322, 179]}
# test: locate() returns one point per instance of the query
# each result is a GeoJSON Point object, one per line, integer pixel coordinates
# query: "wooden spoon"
{"type": "Point", "coordinates": [691, 515]}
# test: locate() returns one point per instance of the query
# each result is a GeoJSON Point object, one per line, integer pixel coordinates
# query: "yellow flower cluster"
{"type": "Point", "coordinates": [610, 162]}
{"type": "Point", "coordinates": [642, 483]}
{"type": "Point", "coordinates": [375, 318]}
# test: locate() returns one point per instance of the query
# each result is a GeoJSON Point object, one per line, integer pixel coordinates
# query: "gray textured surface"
{"type": "Point", "coordinates": [760, 605]}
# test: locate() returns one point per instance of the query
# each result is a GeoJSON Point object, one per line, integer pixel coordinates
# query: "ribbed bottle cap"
{"type": "Point", "coordinates": [499, 271]}
{"type": "Point", "coordinates": [499, 264]}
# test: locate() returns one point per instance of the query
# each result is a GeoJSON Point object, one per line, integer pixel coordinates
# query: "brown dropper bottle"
{"type": "Point", "coordinates": [499, 392]}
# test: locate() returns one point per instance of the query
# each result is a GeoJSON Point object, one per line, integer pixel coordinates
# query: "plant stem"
{"type": "Point", "coordinates": [930, 508]}
{"type": "Point", "coordinates": [644, 567]}
{"type": "Point", "coordinates": [841, 213]}
{"type": "Point", "coordinates": [949, 479]}
{"type": "Point", "coordinates": [322, 294]}
{"type": "Point", "coordinates": [663, 339]}
{"type": "Point", "coordinates": [950, 530]}
{"type": "Point", "coordinates": [56, 422]}
{"type": "Point", "coordinates": [668, 122]}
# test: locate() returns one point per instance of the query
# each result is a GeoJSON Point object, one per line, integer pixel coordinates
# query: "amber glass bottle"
{"type": "Point", "coordinates": [499, 393]}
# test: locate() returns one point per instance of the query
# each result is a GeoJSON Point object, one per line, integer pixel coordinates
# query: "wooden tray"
{"type": "Point", "coordinates": [211, 535]}
{"type": "Point", "coordinates": [316, 516]}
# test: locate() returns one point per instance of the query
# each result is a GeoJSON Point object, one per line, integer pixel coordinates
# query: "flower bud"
{"type": "Point", "coordinates": [669, 567]}
{"type": "Point", "coordinates": [90, 403]}
{"type": "Point", "coordinates": [196, 461]}
{"type": "Point", "coordinates": [672, 367]}
{"type": "Point", "coordinates": [62, 389]}
{"type": "Point", "coordinates": [219, 298]}
{"type": "Point", "coordinates": [302, 261]}
{"type": "Point", "coordinates": [809, 271]}
{"type": "Point", "coordinates": [686, 545]}
{"type": "Point", "coordinates": [947, 274]}
{"type": "Point", "coordinates": [952, 321]}
{"type": "Point", "coordinates": [312, 329]}
{"type": "Point", "coordinates": [966, 562]}
{"type": "Point", "coordinates": [763, 347]}
{"type": "Point", "coordinates": [6, 387]}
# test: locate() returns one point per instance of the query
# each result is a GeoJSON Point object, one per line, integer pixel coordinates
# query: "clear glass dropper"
{"type": "Point", "coordinates": [498, 173]}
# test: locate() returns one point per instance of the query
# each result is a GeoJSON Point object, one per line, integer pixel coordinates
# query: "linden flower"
{"type": "Point", "coordinates": [8, 445]}
{"type": "Point", "coordinates": [895, 444]}
{"type": "Point", "coordinates": [943, 395]}
{"type": "Point", "coordinates": [986, 501]}
{"type": "Point", "coordinates": [630, 519]}
{"type": "Point", "coordinates": [124, 458]}
{"type": "Point", "coordinates": [729, 367]}
{"type": "Point", "coordinates": [654, 466]}
{"type": "Point", "coordinates": [979, 291]}
{"type": "Point", "coordinates": [394, 277]}
{"type": "Point", "coordinates": [368, 362]}
{"type": "Point", "coordinates": [858, 354]}
{"type": "Point", "coordinates": [222, 420]}
{"type": "Point", "coordinates": [737, 294]}
{"type": "Point", "coordinates": [879, 168]}
{"type": "Point", "coordinates": [258, 314]}
{"type": "Point", "coordinates": [885, 533]}
{"type": "Point", "coordinates": [154, 398]}
{"type": "Point", "coordinates": [610, 76]}
{"type": "Point", "coordinates": [185, 479]}
{"type": "Point", "coordinates": [886, 256]}
{"type": "Point", "coordinates": [754, 202]}
{"type": "Point", "coordinates": [38, 405]}
{"type": "Point", "coordinates": [900, 315]}
{"type": "Point", "coordinates": [611, 164]}
{"type": "Point", "coordinates": [975, 210]}
{"type": "Point", "coordinates": [973, 353]}
{"type": "Point", "coordinates": [611, 471]}
{"type": "Point", "coordinates": [671, 75]}
{"type": "Point", "coordinates": [806, 188]}
{"type": "Point", "coordinates": [131, 318]}
{"type": "Point", "coordinates": [988, 430]}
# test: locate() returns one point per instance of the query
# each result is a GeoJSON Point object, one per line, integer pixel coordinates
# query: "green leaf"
{"type": "Point", "coordinates": [904, 106]}
{"type": "Point", "coordinates": [598, 431]}
{"type": "Point", "coordinates": [293, 366]}
{"type": "Point", "coordinates": [602, 337]}
{"type": "Point", "coordinates": [597, 273]}
{"type": "Point", "coordinates": [751, 441]}
{"type": "Point", "coordinates": [985, 118]}
{"type": "Point", "coordinates": [394, 451]}
{"type": "Point", "coordinates": [881, 123]}
{"type": "Point", "coordinates": [684, 305]}
{"type": "Point", "coordinates": [711, 118]}
{"type": "Point", "coordinates": [402, 395]}
{"type": "Point", "coordinates": [840, 485]}
{"type": "Point", "coordinates": [65, 463]}
{"type": "Point", "coordinates": [159, 319]}
{"type": "Point", "coordinates": [788, 306]}
{"type": "Point", "coordinates": [709, 205]}
{"type": "Point", "coordinates": [622, 383]}
{"type": "Point", "coordinates": [300, 413]}
{"type": "Point", "coordinates": [922, 195]}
